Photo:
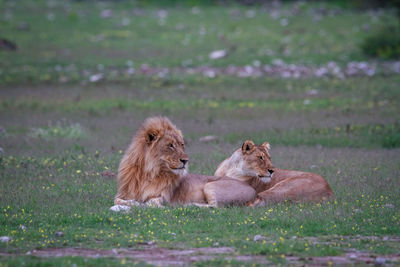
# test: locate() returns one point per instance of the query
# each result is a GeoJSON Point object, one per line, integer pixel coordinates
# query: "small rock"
{"type": "Point", "coordinates": [5, 239]}
{"type": "Point", "coordinates": [150, 243]}
{"type": "Point", "coordinates": [380, 260]}
{"type": "Point", "coordinates": [96, 77]}
{"type": "Point", "coordinates": [59, 234]}
{"type": "Point", "coordinates": [23, 227]}
{"type": "Point", "coordinates": [390, 206]}
{"type": "Point", "coordinates": [63, 79]}
{"type": "Point", "coordinates": [217, 54]}
{"type": "Point", "coordinates": [385, 238]}
{"type": "Point", "coordinates": [28, 253]}
{"type": "Point", "coordinates": [3, 131]}
{"type": "Point", "coordinates": [312, 92]}
{"type": "Point", "coordinates": [23, 26]}
{"type": "Point", "coordinates": [258, 238]}
{"type": "Point", "coordinates": [294, 237]}
{"type": "Point", "coordinates": [209, 73]}
{"type": "Point", "coordinates": [207, 138]}
{"type": "Point", "coordinates": [216, 244]}
{"type": "Point", "coordinates": [106, 13]}
{"type": "Point", "coordinates": [115, 251]}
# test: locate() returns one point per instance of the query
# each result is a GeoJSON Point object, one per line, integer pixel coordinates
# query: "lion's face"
{"type": "Point", "coordinates": [170, 149]}
{"type": "Point", "coordinates": [257, 161]}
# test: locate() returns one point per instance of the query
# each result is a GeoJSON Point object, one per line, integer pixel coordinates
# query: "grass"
{"type": "Point", "coordinates": [62, 136]}
{"type": "Point", "coordinates": [70, 40]}
{"type": "Point", "coordinates": [59, 130]}
{"type": "Point", "coordinates": [76, 261]}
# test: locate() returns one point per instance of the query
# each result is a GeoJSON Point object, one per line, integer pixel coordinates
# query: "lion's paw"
{"type": "Point", "coordinates": [118, 208]}
{"type": "Point", "coordinates": [155, 202]}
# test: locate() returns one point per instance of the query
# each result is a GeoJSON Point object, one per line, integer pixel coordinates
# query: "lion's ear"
{"type": "Point", "coordinates": [248, 147]}
{"type": "Point", "coordinates": [267, 146]}
{"type": "Point", "coordinates": [151, 136]}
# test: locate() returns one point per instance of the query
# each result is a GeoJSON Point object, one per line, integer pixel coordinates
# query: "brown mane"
{"type": "Point", "coordinates": [142, 174]}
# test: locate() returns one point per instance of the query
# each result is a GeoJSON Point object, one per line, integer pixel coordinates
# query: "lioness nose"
{"type": "Point", "coordinates": [184, 161]}
{"type": "Point", "coordinates": [271, 171]}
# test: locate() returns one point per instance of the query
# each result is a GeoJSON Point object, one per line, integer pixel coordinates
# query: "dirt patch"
{"type": "Point", "coordinates": [170, 257]}
{"type": "Point", "coordinates": [151, 255]}
{"type": "Point", "coordinates": [353, 258]}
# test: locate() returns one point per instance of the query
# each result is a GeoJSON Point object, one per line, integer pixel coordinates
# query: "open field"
{"type": "Point", "coordinates": [62, 135]}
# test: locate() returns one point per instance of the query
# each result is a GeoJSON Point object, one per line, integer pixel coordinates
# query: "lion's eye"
{"type": "Point", "coordinates": [171, 145]}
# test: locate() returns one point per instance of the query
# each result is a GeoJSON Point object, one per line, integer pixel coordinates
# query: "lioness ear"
{"type": "Point", "coordinates": [267, 146]}
{"type": "Point", "coordinates": [151, 136]}
{"type": "Point", "coordinates": [247, 147]}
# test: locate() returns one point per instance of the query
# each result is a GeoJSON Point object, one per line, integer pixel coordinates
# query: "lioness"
{"type": "Point", "coordinates": [248, 164]}
{"type": "Point", "coordinates": [153, 171]}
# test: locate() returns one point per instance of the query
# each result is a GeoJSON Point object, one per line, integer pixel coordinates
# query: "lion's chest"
{"type": "Point", "coordinates": [158, 188]}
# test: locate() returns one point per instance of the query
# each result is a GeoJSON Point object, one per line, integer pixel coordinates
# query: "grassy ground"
{"type": "Point", "coordinates": [62, 139]}
{"type": "Point", "coordinates": [67, 40]}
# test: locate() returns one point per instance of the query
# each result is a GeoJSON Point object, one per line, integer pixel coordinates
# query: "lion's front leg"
{"type": "Point", "coordinates": [128, 202]}
{"type": "Point", "coordinates": [257, 202]}
{"type": "Point", "coordinates": [201, 205]}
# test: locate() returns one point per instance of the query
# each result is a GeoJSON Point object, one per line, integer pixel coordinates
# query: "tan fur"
{"type": "Point", "coordinates": [285, 185]}
{"type": "Point", "coordinates": [152, 166]}
{"type": "Point", "coordinates": [149, 173]}
{"type": "Point", "coordinates": [250, 164]}
{"type": "Point", "coordinates": [213, 191]}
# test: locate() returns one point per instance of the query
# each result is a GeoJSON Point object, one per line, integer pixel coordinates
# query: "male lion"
{"type": "Point", "coordinates": [153, 164]}
{"type": "Point", "coordinates": [154, 171]}
{"type": "Point", "coordinates": [252, 164]}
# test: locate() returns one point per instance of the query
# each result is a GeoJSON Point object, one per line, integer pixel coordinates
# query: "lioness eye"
{"type": "Point", "coordinates": [260, 157]}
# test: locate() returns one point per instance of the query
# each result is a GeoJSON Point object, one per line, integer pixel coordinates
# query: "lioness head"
{"type": "Point", "coordinates": [247, 162]}
{"type": "Point", "coordinates": [166, 146]}
{"type": "Point", "coordinates": [257, 161]}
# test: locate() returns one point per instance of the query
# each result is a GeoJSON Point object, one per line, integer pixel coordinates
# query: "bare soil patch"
{"type": "Point", "coordinates": [171, 257]}
{"type": "Point", "coordinates": [352, 258]}
{"type": "Point", "coordinates": [149, 254]}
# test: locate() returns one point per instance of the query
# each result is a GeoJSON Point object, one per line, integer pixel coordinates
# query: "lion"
{"type": "Point", "coordinates": [153, 164]}
{"type": "Point", "coordinates": [153, 171]}
{"type": "Point", "coordinates": [252, 164]}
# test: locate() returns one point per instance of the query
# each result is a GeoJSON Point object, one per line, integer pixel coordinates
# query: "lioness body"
{"type": "Point", "coordinates": [212, 190]}
{"type": "Point", "coordinates": [249, 166]}
{"type": "Point", "coordinates": [301, 187]}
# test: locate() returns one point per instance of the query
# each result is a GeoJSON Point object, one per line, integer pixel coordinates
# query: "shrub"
{"type": "Point", "coordinates": [384, 44]}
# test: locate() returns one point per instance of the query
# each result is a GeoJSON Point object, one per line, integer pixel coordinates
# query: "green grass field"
{"type": "Point", "coordinates": [62, 135]}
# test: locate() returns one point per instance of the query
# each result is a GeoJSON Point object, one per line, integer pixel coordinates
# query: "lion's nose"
{"type": "Point", "coordinates": [184, 161]}
{"type": "Point", "coordinates": [271, 171]}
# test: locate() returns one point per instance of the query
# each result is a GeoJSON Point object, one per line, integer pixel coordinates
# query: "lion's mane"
{"type": "Point", "coordinates": [140, 173]}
